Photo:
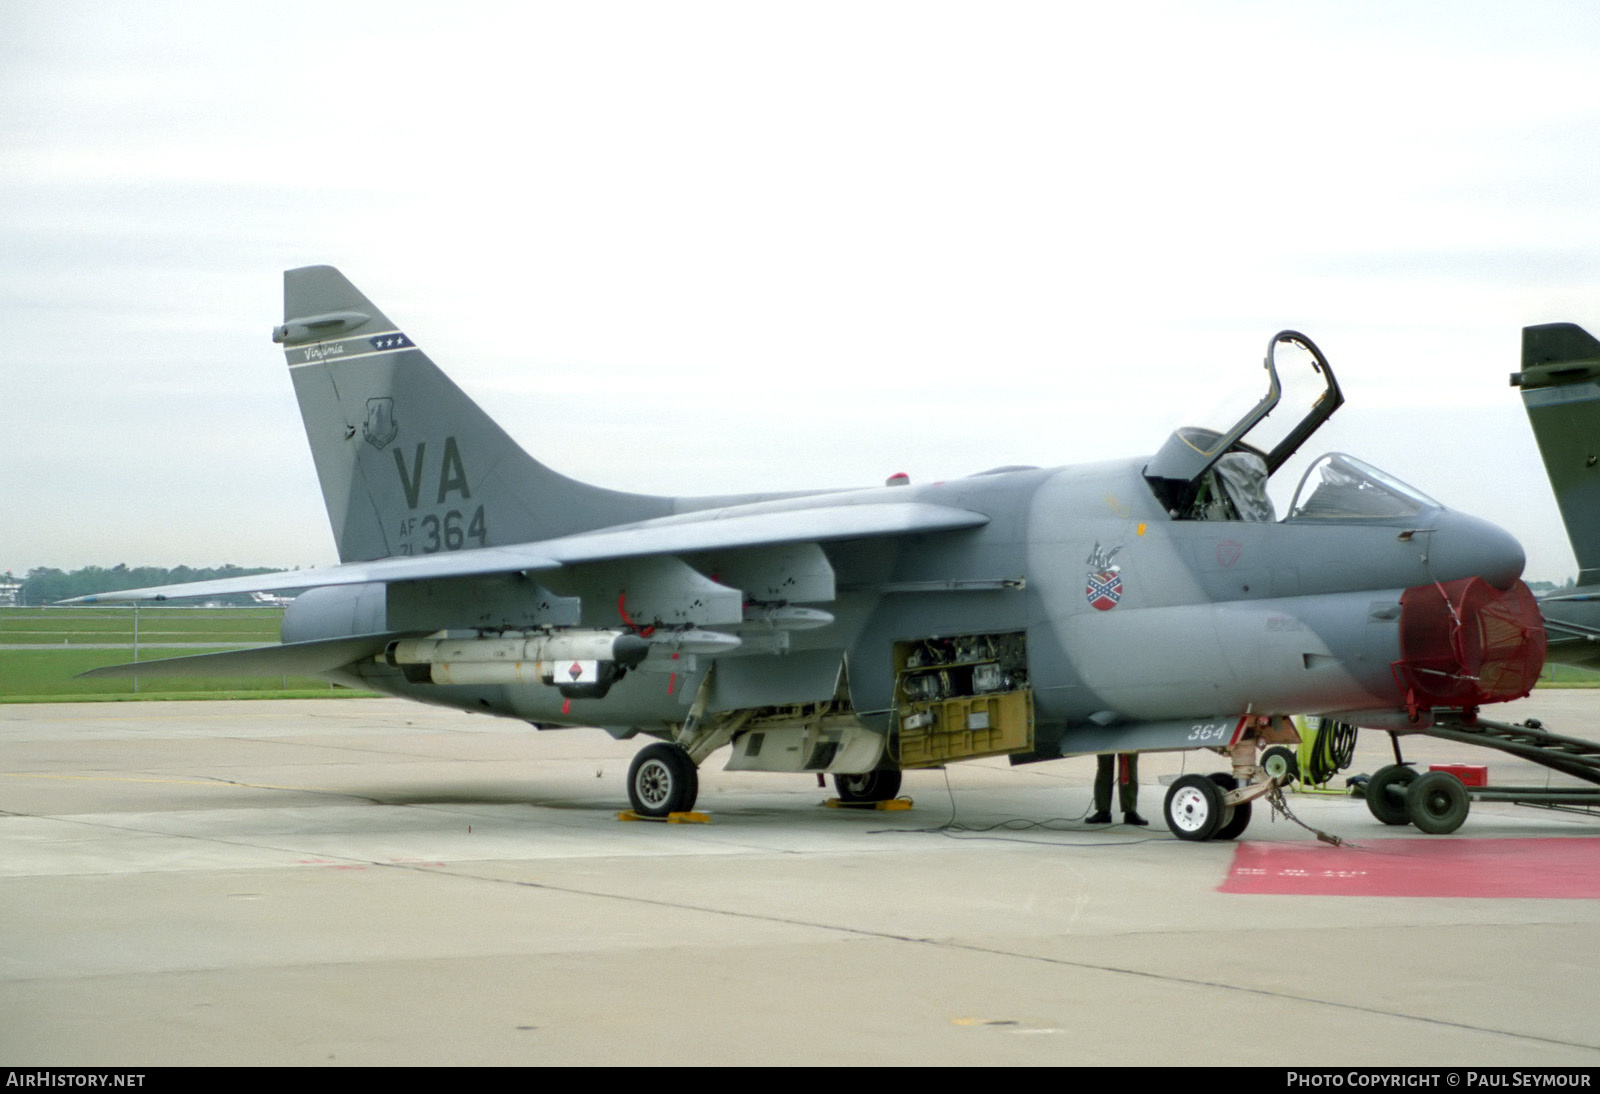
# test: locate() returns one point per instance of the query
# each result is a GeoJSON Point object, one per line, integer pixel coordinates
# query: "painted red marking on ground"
{"type": "Point", "coordinates": [1555, 868]}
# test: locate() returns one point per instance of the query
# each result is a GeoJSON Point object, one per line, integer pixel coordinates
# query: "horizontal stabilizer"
{"type": "Point", "coordinates": [731, 528]}
{"type": "Point", "coordinates": [291, 659]}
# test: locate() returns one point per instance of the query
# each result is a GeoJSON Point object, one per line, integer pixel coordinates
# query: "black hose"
{"type": "Point", "coordinates": [1334, 751]}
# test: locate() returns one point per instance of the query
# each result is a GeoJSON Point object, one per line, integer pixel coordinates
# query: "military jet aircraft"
{"type": "Point", "coordinates": [1560, 384]}
{"type": "Point", "coordinates": [1154, 603]}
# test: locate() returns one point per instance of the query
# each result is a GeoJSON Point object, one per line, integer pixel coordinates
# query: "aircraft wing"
{"type": "Point", "coordinates": [706, 530]}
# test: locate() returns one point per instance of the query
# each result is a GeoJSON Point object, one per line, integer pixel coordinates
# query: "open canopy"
{"type": "Point", "coordinates": [1227, 460]}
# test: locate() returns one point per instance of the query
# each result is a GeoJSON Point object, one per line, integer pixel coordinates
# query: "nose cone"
{"type": "Point", "coordinates": [1464, 546]}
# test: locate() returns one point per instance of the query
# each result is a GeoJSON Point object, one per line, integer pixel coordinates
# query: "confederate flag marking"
{"type": "Point", "coordinates": [1103, 585]}
{"type": "Point", "coordinates": [1104, 590]}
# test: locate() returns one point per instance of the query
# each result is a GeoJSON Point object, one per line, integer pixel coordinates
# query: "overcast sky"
{"type": "Point", "coordinates": [703, 248]}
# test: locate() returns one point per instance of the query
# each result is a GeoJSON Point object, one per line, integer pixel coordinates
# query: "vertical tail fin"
{"type": "Point", "coordinates": [1560, 382]}
{"type": "Point", "coordinates": [408, 464]}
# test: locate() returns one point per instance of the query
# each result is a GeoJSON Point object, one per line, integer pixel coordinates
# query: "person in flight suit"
{"type": "Point", "coordinates": [1126, 766]}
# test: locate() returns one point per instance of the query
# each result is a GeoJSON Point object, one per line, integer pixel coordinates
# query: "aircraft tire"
{"type": "Point", "coordinates": [1280, 763]}
{"type": "Point", "coordinates": [872, 786]}
{"type": "Point", "coordinates": [1194, 808]}
{"type": "Point", "coordinates": [1437, 803]}
{"type": "Point", "coordinates": [1380, 803]}
{"type": "Point", "coordinates": [1238, 816]}
{"type": "Point", "coordinates": [662, 780]}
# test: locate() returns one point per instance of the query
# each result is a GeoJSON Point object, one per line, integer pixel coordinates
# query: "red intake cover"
{"type": "Point", "coordinates": [1466, 643]}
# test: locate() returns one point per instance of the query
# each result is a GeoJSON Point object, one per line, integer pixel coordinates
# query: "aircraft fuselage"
{"type": "Point", "coordinates": [1127, 615]}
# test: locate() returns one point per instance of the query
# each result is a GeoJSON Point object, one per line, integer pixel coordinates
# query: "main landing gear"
{"type": "Point", "coordinates": [872, 786]}
{"type": "Point", "coordinates": [664, 777]}
{"type": "Point", "coordinates": [662, 780]}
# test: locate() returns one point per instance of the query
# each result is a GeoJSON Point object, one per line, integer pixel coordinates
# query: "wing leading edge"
{"type": "Point", "coordinates": [711, 530]}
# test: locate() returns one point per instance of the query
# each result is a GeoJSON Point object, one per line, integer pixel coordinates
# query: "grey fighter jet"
{"type": "Point", "coordinates": [1155, 603]}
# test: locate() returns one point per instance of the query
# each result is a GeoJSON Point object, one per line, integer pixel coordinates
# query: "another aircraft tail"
{"type": "Point", "coordinates": [408, 463]}
{"type": "Point", "coordinates": [1560, 382]}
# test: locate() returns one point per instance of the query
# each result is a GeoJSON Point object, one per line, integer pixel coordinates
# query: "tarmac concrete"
{"type": "Point", "coordinates": [375, 882]}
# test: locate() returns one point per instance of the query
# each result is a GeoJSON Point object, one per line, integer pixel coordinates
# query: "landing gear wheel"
{"type": "Point", "coordinates": [1194, 808]}
{"type": "Point", "coordinates": [1280, 763]}
{"type": "Point", "coordinates": [871, 786]}
{"type": "Point", "coordinates": [1239, 820]}
{"type": "Point", "coordinates": [1387, 806]}
{"type": "Point", "coordinates": [1437, 803]}
{"type": "Point", "coordinates": [662, 780]}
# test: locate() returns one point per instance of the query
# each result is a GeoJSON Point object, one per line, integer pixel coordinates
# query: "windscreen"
{"type": "Point", "coordinates": [1341, 487]}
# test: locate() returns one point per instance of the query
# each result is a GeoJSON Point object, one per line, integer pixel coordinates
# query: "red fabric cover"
{"type": "Point", "coordinates": [1465, 643]}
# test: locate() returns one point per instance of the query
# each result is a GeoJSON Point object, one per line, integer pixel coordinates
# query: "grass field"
{"type": "Point", "coordinates": [48, 675]}
{"type": "Point", "coordinates": [1567, 676]}
{"type": "Point", "coordinates": [230, 626]}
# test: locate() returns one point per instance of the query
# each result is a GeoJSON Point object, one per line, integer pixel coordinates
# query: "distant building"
{"type": "Point", "coordinates": [10, 594]}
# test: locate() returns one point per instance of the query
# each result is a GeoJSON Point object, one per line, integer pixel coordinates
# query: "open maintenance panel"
{"type": "Point", "coordinates": [961, 697]}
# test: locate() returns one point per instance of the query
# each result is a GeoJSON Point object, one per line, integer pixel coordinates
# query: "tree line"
{"type": "Point", "coordinates": [45, 585]}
